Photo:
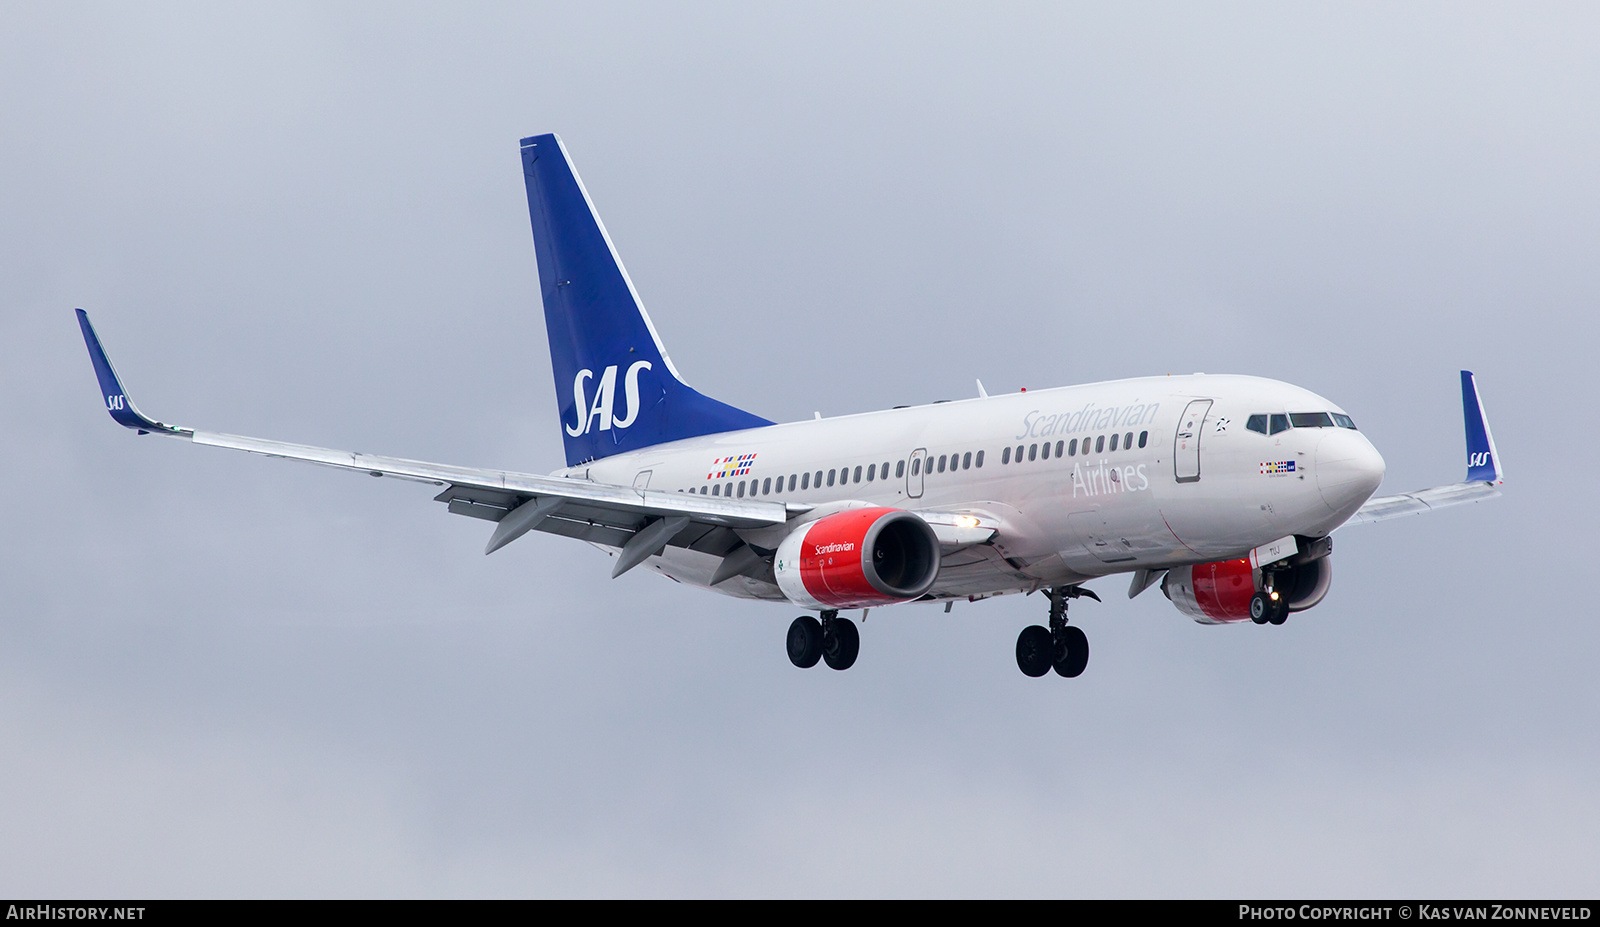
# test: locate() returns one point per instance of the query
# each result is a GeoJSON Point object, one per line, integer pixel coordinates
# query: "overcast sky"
{"type": "Point", "coordinates": [227, 675]}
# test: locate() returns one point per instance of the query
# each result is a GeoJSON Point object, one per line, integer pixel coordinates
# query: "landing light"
{"type": "Point", "coordinates": [966, 521]}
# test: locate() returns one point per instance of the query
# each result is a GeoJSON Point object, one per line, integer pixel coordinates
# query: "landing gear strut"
{"type": "Point", "coordinates": [1063, 647]}
{"type": "Point", "coordinates": [834, 640]}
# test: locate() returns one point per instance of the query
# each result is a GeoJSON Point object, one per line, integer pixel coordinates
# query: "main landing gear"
{"type": "Point", "coordinates": [1062, 647]}
{"type": "Point", "coordinates": [834, 640]}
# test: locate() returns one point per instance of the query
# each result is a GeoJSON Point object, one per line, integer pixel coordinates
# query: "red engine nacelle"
{"type": "Point", "coordinates": [1219, 592]}
{"type": "Point", "coordinates": [857, 559]}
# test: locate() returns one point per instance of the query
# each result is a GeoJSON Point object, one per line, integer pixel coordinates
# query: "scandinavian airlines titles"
{"type": "Point", "coordinates": [1098, 479]}
{"type": "Point", "coordinates": [1039, 424]}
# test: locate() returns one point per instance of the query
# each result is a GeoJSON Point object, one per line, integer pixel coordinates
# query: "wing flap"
{"type": "Point", "coordinates": [597, 501]}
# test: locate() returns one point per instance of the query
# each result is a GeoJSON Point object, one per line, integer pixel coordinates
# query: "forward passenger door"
{"type": "Point", "coordinates": [1186, 443]}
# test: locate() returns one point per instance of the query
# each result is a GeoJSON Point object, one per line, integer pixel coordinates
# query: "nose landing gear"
{"type": "Point", "coordinates": [1062, 647]}
{"type": "Point", "coordinates": [1268, 605]}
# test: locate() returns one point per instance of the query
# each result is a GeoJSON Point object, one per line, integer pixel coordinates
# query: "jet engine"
{"type": "Point", "coordinates": [1220, 592]}
{"type": "Point", "coordinates": [857, 559]}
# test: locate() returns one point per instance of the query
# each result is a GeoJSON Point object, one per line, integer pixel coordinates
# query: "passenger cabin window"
{"type": "Point", "coordinates": [916, 465]}
{"type": "Point", "coordinates": [766, 486]}
{"type": "Point", "coordinates": [979, 461]}
{"type": "Point", "coordinates": [805, 481]}
{"type": "Point", "coordinates": [857, 477]}
{"type": "Point", "coordinates": [818, 479]}
{"type": "Point", "coordinates": [1033, 452]}
{"type": "Point", "coordinates": [1143, 437]}
{"type": "Point", "coordinates": [830, 476]}
{"type": "Point", "coordinates": [1113, 442]}
{"type": "Point", "coordinates": [1100, 444]}
{"type": "Point", "coordinates": [1279, 423]}
{"type": "Point", "coordinates": [1072, 449]}
{"type": "Point", "coordinates": [716, 490]}
{"type": "Point", "coordinates": [899, 469]}
{"type": "Point", "coordinates": [941, 463]}
{"type": "Point", "coordinates": [1005, 456]}
{"type": "Point", "coordinates": [1044, 452]}
{"type": "Point", "coordinates": [966, 461]}
{"type": "Point", "coordinates": [872, 472]}
{"type": "Point", "coordinates": [1019, 453]}
{"type": "Point", "coordinates": [791, 482]}
{"type": "Point", "coordinates": [1257, 424]}
{"type": "Point", "coordinates": [1127, 441]}
{"type": "Point", "coordinates": [885, 470]}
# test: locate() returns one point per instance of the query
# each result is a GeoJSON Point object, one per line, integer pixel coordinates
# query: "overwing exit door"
{"type": "Point", "coordinates": [914, 468]}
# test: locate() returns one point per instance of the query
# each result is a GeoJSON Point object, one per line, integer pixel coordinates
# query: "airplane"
{"type": "Point", "coordinates": [1225, 490]}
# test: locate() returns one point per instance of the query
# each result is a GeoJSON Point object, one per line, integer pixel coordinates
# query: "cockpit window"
{"type": "Point", "coordinates": [1272, 424]}
{"type": "Point", "coordinates": [1310, 420]}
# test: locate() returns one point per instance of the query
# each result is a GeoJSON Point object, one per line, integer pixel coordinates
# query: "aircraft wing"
{"type": "Point", "coordinates": [640, 521]}
{"type": "Point", "coordinates": [1483, 470]}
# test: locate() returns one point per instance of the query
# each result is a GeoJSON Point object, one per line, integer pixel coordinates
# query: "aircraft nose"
{"type": "Point", "coordinates": [1349, 469]}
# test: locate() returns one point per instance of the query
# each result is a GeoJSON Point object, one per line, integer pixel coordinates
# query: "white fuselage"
{"type": "Point", "coordinates": [1195, 485]}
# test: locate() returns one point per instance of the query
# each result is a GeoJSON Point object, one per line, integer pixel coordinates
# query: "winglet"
{"type": "Point", "coordinates": [122, 409]}
{"type": "Point", "coordinates": [1483, 461]}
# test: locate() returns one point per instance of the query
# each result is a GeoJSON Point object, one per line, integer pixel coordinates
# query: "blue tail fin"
{"type": "Point", "coordinates": [616, 388]}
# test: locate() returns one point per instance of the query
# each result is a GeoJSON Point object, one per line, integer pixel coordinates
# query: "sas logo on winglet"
{"type": "Point", "coordinates": [1277, 468]}
{"type": "Point", "coordinates": [605, 398]}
